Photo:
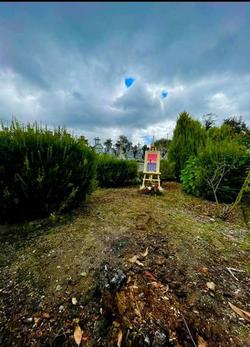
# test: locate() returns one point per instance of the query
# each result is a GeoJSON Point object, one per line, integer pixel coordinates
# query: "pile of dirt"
{"type": "Point", "coordinates": [159, 305]}
{"type": "Point", "coordinates": [148, 299]}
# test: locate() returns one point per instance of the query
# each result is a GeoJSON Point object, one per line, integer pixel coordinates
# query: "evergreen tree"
{"type": "Point", "coordinates": [84, 140]}
{"type": "Point", "coordinates": [209, 120]}
{"type": "Point", "coordinates": [162, 145]}
{"type": "Point", "coordinates": [188, 137]}
{"type": "Point", "coordinates": [108, 144]}
{"type": "Point", "coordinates": [144, 148]}
{"type": "Point", "coordinates": [123, 143]}
{"type": "Point", "coordinates": [237, 124]}
{"type": "Point", "coordinates": [239, 130]}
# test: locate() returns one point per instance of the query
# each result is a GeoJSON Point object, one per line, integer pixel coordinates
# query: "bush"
{"type": "Point", "coordinates": [198, 170]}
{"type": "Point", "coordinates": [192, 178]}
{"type": "Point", "coordinates": [188, 138]}
{"type": "Point", "coordinates": [222, 133]}
{"type": "Point", "coordinates": [230, 132]}
{"type": "Point", "coordinates": [42, 171]}
{"type": "Point", "coordinates": [167, 170]}
{"type": "Point", "coordinates": [114, 172]}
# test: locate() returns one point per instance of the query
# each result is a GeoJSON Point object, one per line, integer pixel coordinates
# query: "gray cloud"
{"type": "Point", "coordinates": [65, 65]}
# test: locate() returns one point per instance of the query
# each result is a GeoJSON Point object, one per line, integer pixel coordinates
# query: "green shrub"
{"type": "Point", "coordinates": [140, 176]}
{"type": "Point", "coordinates": [188, 138]}
{"type": "Point", "coordinates": [222, 133]}
{"type": "Point", "coordinates": [230, 132]}
{"type": "Point", "coordinates": [42, 171]}
{"type": "Point", "coordinates": [167, 170]}
{"type": "Point", "coordinates": [114, 172]}
{"type": "Point", "coordinates": [191, 177]}
{"type": "Point", "coordinates": [228, 156]}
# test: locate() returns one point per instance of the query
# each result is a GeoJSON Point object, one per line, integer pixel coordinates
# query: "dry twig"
{"type": "Point", "coordinates": [189, 332]}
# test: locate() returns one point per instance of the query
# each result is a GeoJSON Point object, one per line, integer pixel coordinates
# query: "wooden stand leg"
{"type": "Point", "coordinates": [143, 182]}
{"type": "Point", "coordinates": [153, 179]}
{"type": "Point", "coordinates": [159, 182]}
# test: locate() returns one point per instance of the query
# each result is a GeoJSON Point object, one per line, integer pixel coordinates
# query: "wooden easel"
{"type": "Point", "coordinates": [151, 171]}
{"type": "Point", "coordinates": [148, 176]}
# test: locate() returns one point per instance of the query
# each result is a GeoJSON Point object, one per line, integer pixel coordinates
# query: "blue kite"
{"type": "Point", "coordinates": [129, 81]}
{"type": "Point", "coordinates": [164, 94]}
{"type": "Point", "coordinates": [148, 139]}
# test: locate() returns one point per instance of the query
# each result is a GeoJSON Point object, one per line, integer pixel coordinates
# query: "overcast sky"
{"type": "Point", "coordinates": [65, 64]}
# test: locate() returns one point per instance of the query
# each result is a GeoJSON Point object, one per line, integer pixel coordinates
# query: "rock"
{"type": "Point", "coordinates": [112, 279]}
{"type": "Point", "coordinates": [83, 274]}
{"type": "Point", "coordinates": [160, 340]}
{"type": "Point", "coordinates": [118, 280]}
{"type": "Point", "coordinates": [146, 341]}
{"type": "Point", "coordinates": [74, 301]}
{"type": "Point", "coordinates": [211, 285]}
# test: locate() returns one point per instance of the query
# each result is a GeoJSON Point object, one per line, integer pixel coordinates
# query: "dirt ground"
{"type": "Point", "coordinates": [130, 270]}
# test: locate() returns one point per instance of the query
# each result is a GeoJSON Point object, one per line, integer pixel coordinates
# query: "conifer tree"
{"type": "Point", "coordinates": [188, 137]}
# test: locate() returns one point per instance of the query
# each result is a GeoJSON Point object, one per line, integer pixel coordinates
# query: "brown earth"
{"type": "Point", "coordinates": [138, 267]}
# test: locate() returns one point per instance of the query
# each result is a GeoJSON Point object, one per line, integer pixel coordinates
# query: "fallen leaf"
{"type": "Point", "coordinates": [36, 320]}
{"type": "Point", "coordinates": [116, 324]}
{"type": "Point", "coordinates": [157, 284]}
{"type": "Point", "coordinates": [45, 315]}
{"type": "Point", "coordinates": [240, 312]}
{"type": "Point", "coordinates": [150, 276]}
{"type": "Point", "coordinates": [119, 341]}
{"type": "Point", "coordinates": [201, 342]}
{"type": "Point", "coordinates": [137, 312]}
{"type": "Point", "coordinates": [202, 269]}
{"type": "Point", "coordinates": [211, 285]}
{"type": "Point", "coordinates": [133, 259]}
{"type": "Point", "coordinates": [145, 253]}
{"type": "Point", "coordinates": [139, 263]}
{"type": "Point", "coordinates": [78, 335]}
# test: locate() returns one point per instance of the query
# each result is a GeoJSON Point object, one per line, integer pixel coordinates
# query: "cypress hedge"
{"type": "Point", "coordinates": [114, 172]}
{"type": "Point", "coordinates": [42, 171]}
{"type": "Point", "coordinates": [188, 138]}
{"type": "Point", "coordinates": [229, 157]}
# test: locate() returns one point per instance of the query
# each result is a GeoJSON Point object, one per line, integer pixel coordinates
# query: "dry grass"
{"type": "Point", "coordinates": [44, 270]}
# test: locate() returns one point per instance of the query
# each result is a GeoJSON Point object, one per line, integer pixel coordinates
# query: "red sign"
{"type": "Point", "coordinates": [152, 157]}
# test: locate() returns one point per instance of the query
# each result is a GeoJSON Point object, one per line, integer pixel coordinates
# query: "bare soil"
{"type": "Point", "coordinates": [136, 267]}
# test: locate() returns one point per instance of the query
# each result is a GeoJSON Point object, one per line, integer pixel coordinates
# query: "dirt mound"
{"type": "Point", "coordinates": [158, 305]}
{"type": "Point", "coordinates": [152, 301]}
